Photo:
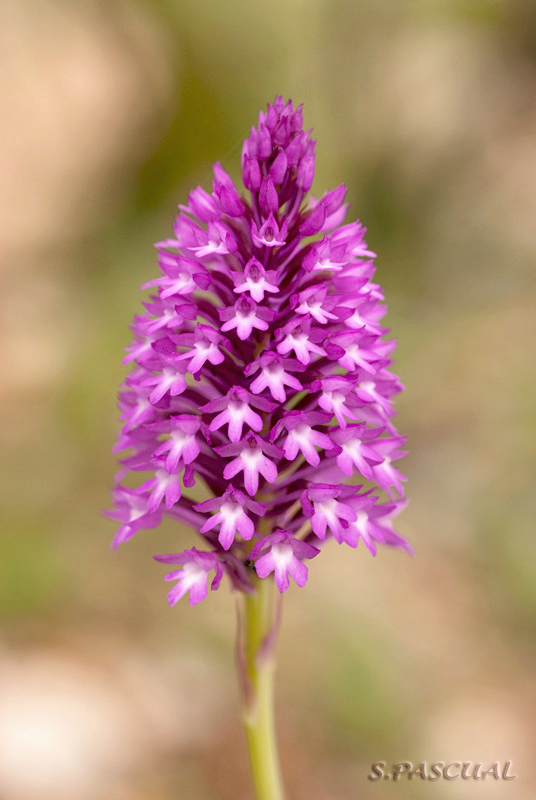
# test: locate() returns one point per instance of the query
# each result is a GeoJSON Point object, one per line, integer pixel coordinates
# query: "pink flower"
{"type": "Point", "coordinates": [315, 301]}
{"type": "Point", "coordinates": [193, 576]}
{"type": "Point", "coordinates": [182, 442]}
{"type": "Point", "coordinates": [236, 412]}
{"type": "Point", "coordinates": [164, 486]}
{"type": "Point", "coordinates": [244, 316]}
{"type": "Point", "coordinates": [326, 255]}
{"type": "Point", "coordinates": [283, 557]}
{"type": "Point", "coordinates": [387, 476]}
{"type": "Point", "coordinates": [217, 240]}
{"type": "Point", "coordinates": [324, 504]}
{"type": "Point", "coordinates": [206, 345]}
{"type": "Point", "coordinates": [373, 524]}
{"type": "Point", "coordinates": [301, 437]}
{"type": "Point", "coordinates": [255, 280]}
{"type": "Point", "coordinates": [273, 376]}
{"type": "Point", "coordinates": [232, 515]}
{"type": "Point", "coordinates": [355, 451]}
{"type": "Point", "coordinates": [300, 338]}
{"type": "Point", "coordinates": [250, 460]}
{"type": "Point", "coordinates": [270, 234]}
{"type": "Point", "coordinates": [132, 511]}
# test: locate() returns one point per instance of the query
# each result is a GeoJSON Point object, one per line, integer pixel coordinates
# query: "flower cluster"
{"type": "Point", "coordinates": [261, 368]}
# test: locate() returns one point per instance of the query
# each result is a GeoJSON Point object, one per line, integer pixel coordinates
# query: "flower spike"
{"type": "Point", "coordinates": [261, 376]}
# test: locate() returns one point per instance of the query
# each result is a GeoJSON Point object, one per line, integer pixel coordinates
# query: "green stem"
{"type": "Point", "coordinates": [258, 666]}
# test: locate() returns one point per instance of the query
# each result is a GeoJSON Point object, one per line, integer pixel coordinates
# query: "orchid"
{"type": "Point", "coordinates": [262, 375]}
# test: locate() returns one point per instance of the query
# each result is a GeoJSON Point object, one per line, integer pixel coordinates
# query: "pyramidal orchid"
{"type": "Point", "coordinates": [261, 371]}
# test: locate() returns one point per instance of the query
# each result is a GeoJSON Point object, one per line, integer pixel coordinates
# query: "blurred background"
{"type": "Point", "coordinates": [110, 112]}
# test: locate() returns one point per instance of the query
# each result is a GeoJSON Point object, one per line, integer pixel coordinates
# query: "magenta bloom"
{"type": "Point", "coordinates": [261, 368]}
{"type": "Point", "coordinates": [282, 553]}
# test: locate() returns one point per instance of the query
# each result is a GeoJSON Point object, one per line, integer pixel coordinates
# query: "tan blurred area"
{"type": "Point", "coordinates": [109, 113]}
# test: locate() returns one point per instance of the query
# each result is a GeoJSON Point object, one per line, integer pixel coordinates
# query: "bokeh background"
{"type": "Point", "coordinates": [110, 111]}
